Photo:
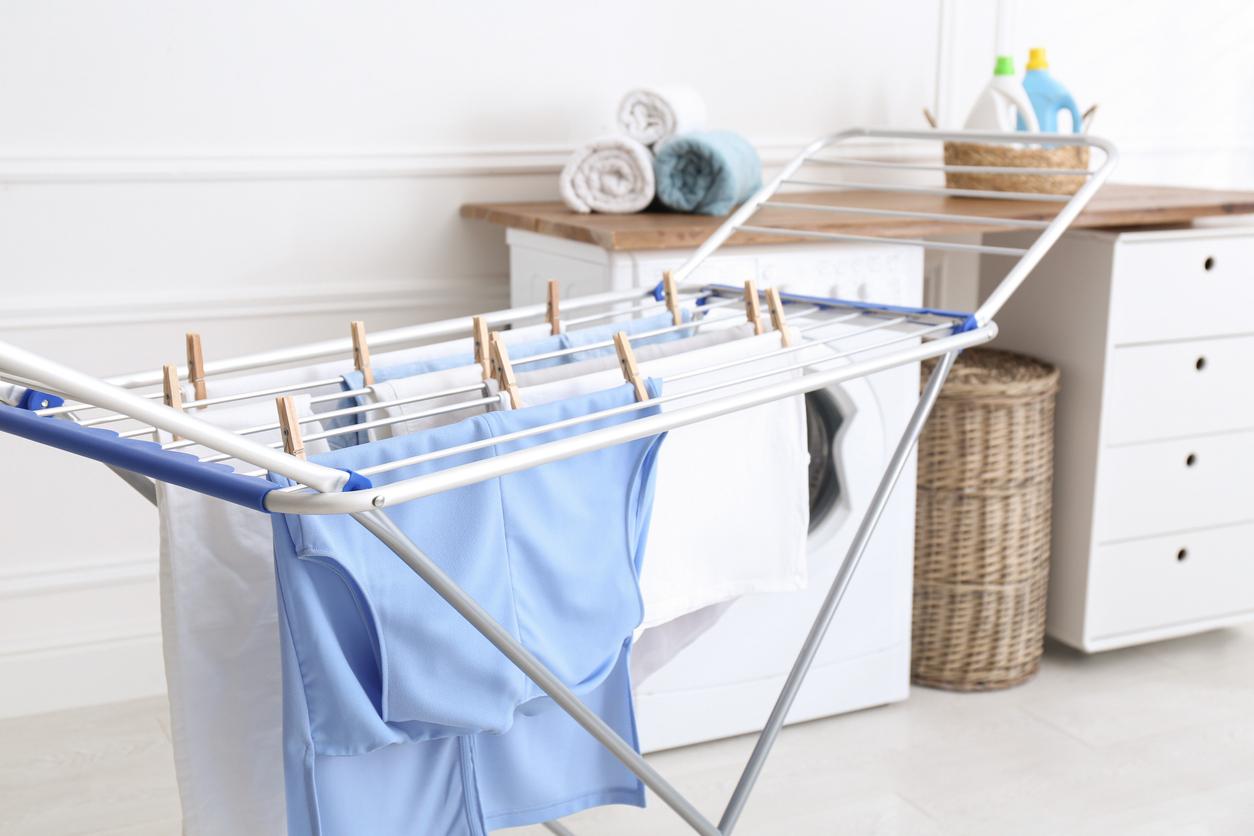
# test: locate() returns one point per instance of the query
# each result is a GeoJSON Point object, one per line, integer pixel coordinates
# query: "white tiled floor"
{"type": "Point", "coordinates": [1152, 740]}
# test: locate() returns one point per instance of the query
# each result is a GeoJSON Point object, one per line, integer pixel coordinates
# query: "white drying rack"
{"type": "Point", "coordinates": [907, 335]}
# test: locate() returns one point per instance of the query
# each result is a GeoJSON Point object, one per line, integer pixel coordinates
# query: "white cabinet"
{"type": "Point", "coordinates": [1154, 487]}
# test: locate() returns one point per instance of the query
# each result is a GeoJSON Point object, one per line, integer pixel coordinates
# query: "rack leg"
{"type": "Point", "coordinates": [558, 828]}
{"type": "Point", "coordinates": [382, 527]}
{"type": "Point", "coordinates": [837, 591]}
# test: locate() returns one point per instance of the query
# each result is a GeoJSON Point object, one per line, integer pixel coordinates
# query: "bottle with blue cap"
{"type": "Point", "coordinates": [1048, 97]}
{"type": "Point", "coordinates": [1002, 102]}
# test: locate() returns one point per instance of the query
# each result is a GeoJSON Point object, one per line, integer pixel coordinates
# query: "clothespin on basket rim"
{"type": "Point", "coordinates": [361, 351]}
{"type": "Point", "coordinates": [671, 293]}
{"type": "Point", "coordinates": [630, 369]}
{"type": "Point", "coordinates": [504, 369]}
{"type": "Point", "coordinates": [553, 308]}
{"type": "Point", "coordinates": [196, 366]}
{"type": "Point", "coordinates": [289, 426]}
{"type": "Point", "coordinates": [776, 307]}
{"type": "Point", "coordinates": [753, 311]}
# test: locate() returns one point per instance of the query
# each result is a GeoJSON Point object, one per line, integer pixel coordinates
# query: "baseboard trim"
{"type": "Point", "coordinates": [81, 674]}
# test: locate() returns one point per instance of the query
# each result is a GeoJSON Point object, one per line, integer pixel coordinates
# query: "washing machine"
{"type": "Point", "coordinates": [726, 682]}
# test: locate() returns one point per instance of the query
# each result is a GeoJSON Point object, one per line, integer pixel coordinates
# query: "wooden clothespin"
{"type": "Point", "coordinates": [361, 351]}
{"type": "Point", "coordinates": [171, 391]}
{"type": "Point", "coordinates": [553, 310]}
{"type": "Point", "coordinates": [672, 297]}
{"type": "Point", "coordinates": [505, 370]}
{"type": "Point", "coordinates": [483, 355]}
{"type": "Point", "coordinates": [753, 312]}
{"type": "Point", "coordinates": [289, 426]}
{"type": "Point", "coordinates": [195, 366]}
{"type": "Point", "coordinates": [627, 362]}
{"type": "Point", "coordinates": [776, 308]}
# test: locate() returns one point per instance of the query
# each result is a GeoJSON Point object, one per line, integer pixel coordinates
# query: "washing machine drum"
{"type": "Point", "coordinates": [823, 422]}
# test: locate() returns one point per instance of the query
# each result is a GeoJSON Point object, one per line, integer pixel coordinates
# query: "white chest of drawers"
{"type": "Point", "coordinates": [1154, 486]}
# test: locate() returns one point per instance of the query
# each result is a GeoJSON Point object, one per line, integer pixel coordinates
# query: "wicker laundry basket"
{"type": "Point", "coordinates": [978, 154]}
{"type": "Point", "coordinates": [981, 565]}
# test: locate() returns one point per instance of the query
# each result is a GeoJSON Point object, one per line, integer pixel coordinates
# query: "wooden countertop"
{"type": "Point", "coordinates": [1117, 205]}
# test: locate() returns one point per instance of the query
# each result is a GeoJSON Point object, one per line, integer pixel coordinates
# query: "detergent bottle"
{"type": "Point", "coordinates": [1047, 95]}
{"type": "Point", "coordinates": [1001, 101]}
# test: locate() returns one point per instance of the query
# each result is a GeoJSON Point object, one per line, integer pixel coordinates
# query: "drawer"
{"type": "Point", "coordinates": [1178, 389]}
{"type": "Point", "coordinates": [1166, 486]}
{"type": "Point", "coordinates": [1172, 580]}
{"type": "Point", "coordinates": [1182, 287]}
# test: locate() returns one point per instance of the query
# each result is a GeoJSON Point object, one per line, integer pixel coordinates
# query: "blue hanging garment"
{"type": "Point", "coordinates": [375, 661]}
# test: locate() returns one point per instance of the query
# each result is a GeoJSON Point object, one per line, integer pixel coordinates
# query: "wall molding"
{"type": "Point", "coordinates": [34, 167]}
{"type": "Point", "coordinates": [69, 577]}
{"type": "Point", "coordinates": [176, 305]}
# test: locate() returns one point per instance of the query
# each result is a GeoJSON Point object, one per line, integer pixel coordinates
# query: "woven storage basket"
{"type": "Point", "coordinates": [972, 153]}
{"type": "Point", "coordinates": [982, 533]}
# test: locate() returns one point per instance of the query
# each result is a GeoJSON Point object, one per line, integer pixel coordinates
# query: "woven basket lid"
{"type": "Point", "coordinates": [991, 372]}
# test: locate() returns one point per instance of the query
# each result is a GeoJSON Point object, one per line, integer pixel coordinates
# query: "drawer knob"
{"type": "Point", "coordinates": [1182, 555]}
{"type": "Point", "coordinates": [1209, 263]}
{"type": "Point", "coordinates": [1190, 460]}
{"type": "Point", "coordinates": [1200, 363]}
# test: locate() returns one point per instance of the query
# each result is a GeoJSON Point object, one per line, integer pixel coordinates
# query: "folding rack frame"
{"type": "Point", "coordinates": [323, 490]}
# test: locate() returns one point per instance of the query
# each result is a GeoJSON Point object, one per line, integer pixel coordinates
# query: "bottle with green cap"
{"type": "Point", "coordinates": [1047, 96]}
{"type": "Point", "coordinates": [1002, 102]}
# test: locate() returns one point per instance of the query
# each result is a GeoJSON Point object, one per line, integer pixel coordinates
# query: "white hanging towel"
{"type": "Point", "coordinates": [708, 546]}
{"type": "Point", "coordinates": [652, 114]}
{"type": "Point", "coordinates": [613, 174]}
{"type": "Point", "coordinates": [220, 639]}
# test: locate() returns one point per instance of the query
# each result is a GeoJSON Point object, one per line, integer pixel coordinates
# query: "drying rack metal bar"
{"type": "Point", "coordinates": [985, 194]}
{"type": "Point", "coordinates": [283, 502]}
{"type": "Point", "coordinates": [786, 232]}
{"type": "Point", "coordinates": [983, 220]}
{"type": "Point", "coordinates": [393, 338]}
{"type": "Point", "coordinates": [957, 169]}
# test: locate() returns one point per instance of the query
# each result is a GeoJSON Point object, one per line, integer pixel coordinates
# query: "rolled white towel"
{"type": "Point", "coordinates": [651, 114]}
{"type": "Point", "coordinates": [610, 174]}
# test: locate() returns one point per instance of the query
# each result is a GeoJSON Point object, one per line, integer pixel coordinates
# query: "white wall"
{"type": "Point", "coordinates": [265, 171]}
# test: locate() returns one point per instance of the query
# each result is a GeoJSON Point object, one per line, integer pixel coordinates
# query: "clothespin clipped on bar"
{"type": "Point", "coordinates": [289, 427]}
{"type": "Point", "coordinates": [553, 310]}
{"type": "Point", "coordinates": [776, 308]}
{"type": "Point", "coordinates": [483, 354]}
{"type": "Point", "coordinates": [505, 370]}
{"type": "Point", "coordinates": [753, 312]}
{"type": "Point", "coordinates": [171, 391]}
{"type": "Point", "coordinates": [195, 366]}
{"type": "Point", "coordinates": [361, 351]}
{"type": "Point", "coordinates": [672, 297]}
{"type": "Point", "coordinates": [627, 362]}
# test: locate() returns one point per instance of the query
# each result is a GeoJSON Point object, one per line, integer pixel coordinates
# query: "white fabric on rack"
{"type": "Point", "coordinates": [612, 174]}
{"type": "Point", "coordinates": [220, 638]}
{"type": "Point", "coordinates": [652, 114]}
{"type": "Point", "coordinates": [423, 384]}
{"type": "Point", "coordinates": [731, 510]}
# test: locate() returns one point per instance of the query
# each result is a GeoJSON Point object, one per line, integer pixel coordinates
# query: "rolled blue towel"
{"type": "Point", "coordinates": [706, 172]}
